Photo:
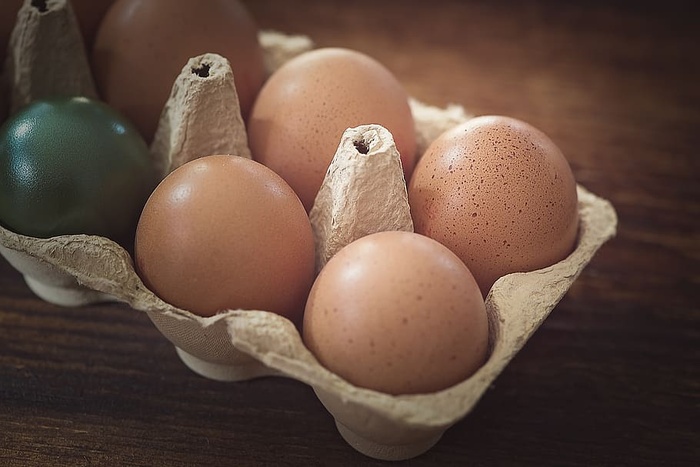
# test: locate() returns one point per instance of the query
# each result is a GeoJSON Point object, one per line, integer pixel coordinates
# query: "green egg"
{"type": "Point", "coordinates": [73, 166]}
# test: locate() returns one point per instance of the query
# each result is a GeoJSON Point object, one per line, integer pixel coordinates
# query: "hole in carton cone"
{"type": "Point", "coordinates": [40, 5]}
{"type": "Point", "coordinates": [202, 71]}
{"type": "Point", "coordinates": [362, 145]}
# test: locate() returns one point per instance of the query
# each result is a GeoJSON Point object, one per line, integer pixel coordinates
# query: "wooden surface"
{"type": "Point", "coordinates": [612, 377]}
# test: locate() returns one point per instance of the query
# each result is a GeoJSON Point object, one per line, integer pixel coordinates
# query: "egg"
{"type": "Point", "coordinates": [142, 45]}
{"type": "Point", "coordinates": [399, 313]}
{"type": "Point", "coordinates": [90, 14]}
{"type": "Point", "coordinates": [71, 165]}
{"type": "Point", "coordinates": [500, 194]}
{"type": "Point", "coordinates": [306, 105]}
{"type": "Point", "coordinates": [225, 232]}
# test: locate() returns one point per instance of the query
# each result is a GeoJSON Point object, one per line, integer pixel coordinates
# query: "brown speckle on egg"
{"type": "Point", "coordinates": [410, 317]}
{"type": "Point", "coordinates": [506, 201]}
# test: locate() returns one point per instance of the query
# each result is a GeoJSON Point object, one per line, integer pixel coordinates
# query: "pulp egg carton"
{"type": "Point", "coordinates": [235, 345]}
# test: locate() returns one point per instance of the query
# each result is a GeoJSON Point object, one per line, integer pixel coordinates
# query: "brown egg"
{"type": "Point", "coordinates": [142, 46]}
{"type": "Point", "coordinates": [500, 194]}
{"type": "Point", "coordinates": [225, 232]}
{"type": "Point", "coordinates": [304, 108]}
{"type": "Point", "coordinates": [90, 14]}
{"type": "Point", "coordinates": [399, 313]}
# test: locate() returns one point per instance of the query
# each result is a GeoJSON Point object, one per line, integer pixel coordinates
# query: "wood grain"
{"type": "Point", "coordinates": [611, 378]}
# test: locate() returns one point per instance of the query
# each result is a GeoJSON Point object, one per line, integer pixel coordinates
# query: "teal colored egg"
{"type": "Point", "coordinates": [73, 166]}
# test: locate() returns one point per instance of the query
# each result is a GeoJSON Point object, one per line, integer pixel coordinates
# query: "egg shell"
{"type": "Point", "coordinates": [224, 232]}
{"type": "Point", "coordinates": [305, 106]}
{"type": "Point", "coordinates": [142, 45]}
{"type": "Point", "coordinates": [399, 313]}
{"type": "Point", "coordinates": [90, 14]}
{"type": "Point", "coordinates": [500, 194]}
{"type": "Point", "coordinates": [241, 344]}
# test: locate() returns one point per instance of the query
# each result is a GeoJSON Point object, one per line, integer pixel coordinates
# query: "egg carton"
{"type": "Point", "coordinates": [236, 345]}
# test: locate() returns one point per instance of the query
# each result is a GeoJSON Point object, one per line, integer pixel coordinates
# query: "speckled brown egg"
{"type": "Point", "coordinates": [142, 45]}
{"type": "Point", "coordinates": [500, 194]}
{"type": "Point", "coordinates": [399, 313]}
{"type": "Point", "coordinates": [304, 108]}
{"type": "Point", "coordinates": [225, 232]}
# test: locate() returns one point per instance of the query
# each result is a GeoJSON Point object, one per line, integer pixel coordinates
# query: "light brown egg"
{"type": "Point", "coordinates": [304, 108]}
{"type": "Point", "coordinates": [399, 313]}
{"type": "Point", "coordinates": [225, 232]}
{"type": "Point", "coordinates": [500, 194]}
{"type": "Point", "coordinates": [142, 45]}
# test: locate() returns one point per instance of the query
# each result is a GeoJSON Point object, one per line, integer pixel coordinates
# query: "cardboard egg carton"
{"type": "Point", "coordinates": [236, 345]}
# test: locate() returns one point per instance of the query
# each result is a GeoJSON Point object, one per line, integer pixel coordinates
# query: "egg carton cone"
{"type": "Point", "coordinates": [46, 54]}
{"type": "Point", "coordinates": [237, 345]}
{"type": "Point", "coordinates": [363, 192]}
{"type": "Point", "coordinates": [203, 97]}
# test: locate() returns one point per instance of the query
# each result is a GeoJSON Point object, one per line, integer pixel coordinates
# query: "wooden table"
{"type": "Point", "coordinates": [611, 378]}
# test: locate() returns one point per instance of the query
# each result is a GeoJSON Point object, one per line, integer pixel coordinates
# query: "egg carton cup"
{"type": "Point", "coordinates": [243, 344]}
{"type": "Point", "coordinates": [237, 345]}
